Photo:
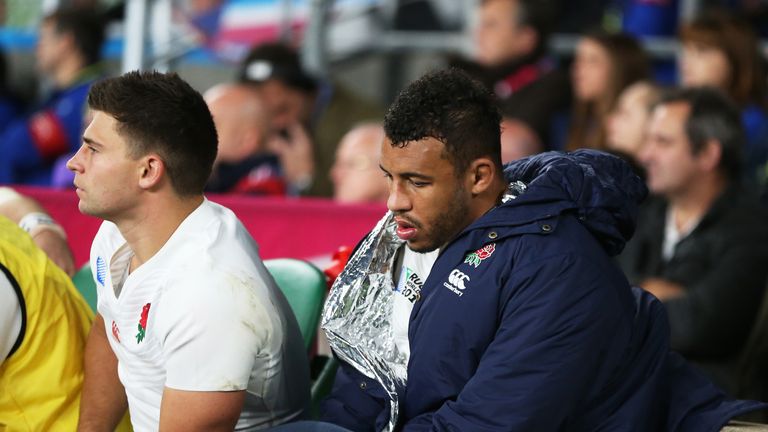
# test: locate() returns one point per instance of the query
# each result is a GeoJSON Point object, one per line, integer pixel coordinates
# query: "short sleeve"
{"type": "Point", "coordinates": [215, 328]}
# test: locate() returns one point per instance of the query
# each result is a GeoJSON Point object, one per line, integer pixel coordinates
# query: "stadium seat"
{"type": "Point", "coordinates": [84, 283]}
{"type": "Point", "coordinates": [323, 377]}
{"type": "Point", "coordinates": [303, 285]}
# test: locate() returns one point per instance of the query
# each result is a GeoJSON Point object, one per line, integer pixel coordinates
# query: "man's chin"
{"type": "Point", "coordinates": [84, 209]}
{"type": "Point", "coordinates": [420, 248]}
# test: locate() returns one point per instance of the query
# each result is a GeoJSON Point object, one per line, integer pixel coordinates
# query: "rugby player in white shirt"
{"type": "Point", "coordinates": [191, 333]}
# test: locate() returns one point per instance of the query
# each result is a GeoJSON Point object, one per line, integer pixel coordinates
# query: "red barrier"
{"type": "Point", "coordinates": [283, 227]}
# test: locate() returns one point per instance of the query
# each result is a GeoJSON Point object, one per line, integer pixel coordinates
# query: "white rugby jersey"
{"type": "Point", "coordinates": [414, 271]}
{"type": "Point", "coordinates": [203, 314]}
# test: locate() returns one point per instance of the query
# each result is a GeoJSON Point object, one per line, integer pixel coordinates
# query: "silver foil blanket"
{"type": "Point", "coordinates": [357, 317]}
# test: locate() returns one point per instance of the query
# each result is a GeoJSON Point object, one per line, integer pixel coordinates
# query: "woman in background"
{"type": "Point", "coordinates": [721, 51]}
{"type": "Point", "coordinates": [604, 65]}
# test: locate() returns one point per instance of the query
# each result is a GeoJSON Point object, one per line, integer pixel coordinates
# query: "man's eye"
{"type": "Point", "coordinates": [419, 184]}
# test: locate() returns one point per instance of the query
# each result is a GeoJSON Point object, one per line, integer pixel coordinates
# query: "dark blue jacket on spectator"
{"type": "Point", "coordinates": [9, 109]}
{"type": "Point", "coordinates": [30, 145]}
{"type": "Point", "coordinates": [546, 334]}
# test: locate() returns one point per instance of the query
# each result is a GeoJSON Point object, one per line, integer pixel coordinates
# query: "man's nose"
{"type": "Point", "coordinates": [73, 164]}
{"type": "Point", "coordinates": [398, 200]}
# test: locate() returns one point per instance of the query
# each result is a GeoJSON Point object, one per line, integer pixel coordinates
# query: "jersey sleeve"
{"type": "Point", "coordinates": [214, 328]}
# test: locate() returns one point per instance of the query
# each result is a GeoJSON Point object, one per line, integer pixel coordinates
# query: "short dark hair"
{"type": "Point", "coordinates": [86, 27]}
{"type": "Point", "coordinates": [278, 61]}
{"type": "Point", "coordinates": [713, 116]}
{"type": "Point", "coordinates": [158, 112]}
{"type": "Point", "coordinates": [453, 108]}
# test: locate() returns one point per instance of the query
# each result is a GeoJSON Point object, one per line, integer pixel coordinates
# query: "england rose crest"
{"type": "Point", "coordinates": [475, 258]}
{"type": "Point", "coordinates": [143, 323]}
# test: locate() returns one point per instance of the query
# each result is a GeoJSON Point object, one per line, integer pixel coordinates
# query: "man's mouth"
{"type": "Point", "coordinates": [405, 229]}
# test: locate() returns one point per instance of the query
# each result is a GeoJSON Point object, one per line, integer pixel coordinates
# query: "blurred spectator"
{"type": "Point", "coordinates": [9, 104]}
{"type": "Point", "coordinates": [43, 327]}
{"type": "Point", "coordinates": [510, 49]}
{"type": "Point", "coordinates": [723, 52]}
{"type": "Point", "coordinates": [356, 175]}
{"type": "Point", "coordinates": [67, 51]}
{"type": "Point", "coordinates": [626, 124]}
{"type": "Point", "coordinates": [702, 245]}
{"type": "Point", "coordinates": [517, 141]}
{"type": "Point", "coordinates": [311, 114]}
{"type": "Point", "coordinates": [242, 164]}
{"type": "Point", "coordinates": [605, 64]}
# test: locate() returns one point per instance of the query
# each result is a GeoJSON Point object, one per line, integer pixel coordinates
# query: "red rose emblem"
{"type": "Point", "coordinates": [144, 315]}
{"type": "Point", "coordinates": [142, 323]}
{"type": "Point", "coordinates": [486, 251]}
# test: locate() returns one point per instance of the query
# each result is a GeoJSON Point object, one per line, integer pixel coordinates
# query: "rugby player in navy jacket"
{"type": "Point", "coordinates": [547, 334]}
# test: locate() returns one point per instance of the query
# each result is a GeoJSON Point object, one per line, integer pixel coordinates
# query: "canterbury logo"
{"type": "Point", "coordinates": [456, 282]}
{"type": "Point", "coordinates": [457, 279]}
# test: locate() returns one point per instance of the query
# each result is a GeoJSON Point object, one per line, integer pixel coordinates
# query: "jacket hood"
{"type": "Point", "coordinates": [602, 190]}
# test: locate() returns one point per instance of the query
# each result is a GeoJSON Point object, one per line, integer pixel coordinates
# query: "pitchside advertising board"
{"type": "Point", "coordinates": [305, 228]}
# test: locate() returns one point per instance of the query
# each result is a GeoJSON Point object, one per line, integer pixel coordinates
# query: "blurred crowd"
{"type": "Point", "coordinates": [699, 139]}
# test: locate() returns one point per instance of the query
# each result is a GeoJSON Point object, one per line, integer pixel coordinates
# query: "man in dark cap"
{"type": "Point", "coordinates": [310, 114]}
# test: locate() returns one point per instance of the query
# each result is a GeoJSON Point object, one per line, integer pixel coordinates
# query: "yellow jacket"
{"type": "Point", "coordinates": [41, 381]}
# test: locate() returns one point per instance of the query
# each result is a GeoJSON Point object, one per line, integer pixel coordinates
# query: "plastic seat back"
{"type": "Point", "coordinates": [304, 287]}
{"type": "Point", "coordinates": [84, 283]}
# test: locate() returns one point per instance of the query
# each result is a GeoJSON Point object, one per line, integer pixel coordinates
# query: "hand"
{"type": "Point", "coordinates": [662, 289]}
{"type": "Point", "coordinates": [57, 249]}
{"type": "Point", "coordinates": [296, 155]}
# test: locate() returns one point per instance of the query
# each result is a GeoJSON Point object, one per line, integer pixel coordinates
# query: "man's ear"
{"type": "Point", "coordinates": [481, 175]}
{"type": "Point", "coordinates": [709, 157]}
{"type": "Point", "coordinates": [151, 171]}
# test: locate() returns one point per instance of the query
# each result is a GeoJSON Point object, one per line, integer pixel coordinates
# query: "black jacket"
{"type": "Point", "coordinates": [723, 265]}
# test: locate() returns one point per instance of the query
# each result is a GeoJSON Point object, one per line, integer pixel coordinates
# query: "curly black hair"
{"type": "Point", "coordinates": [453, 108]}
